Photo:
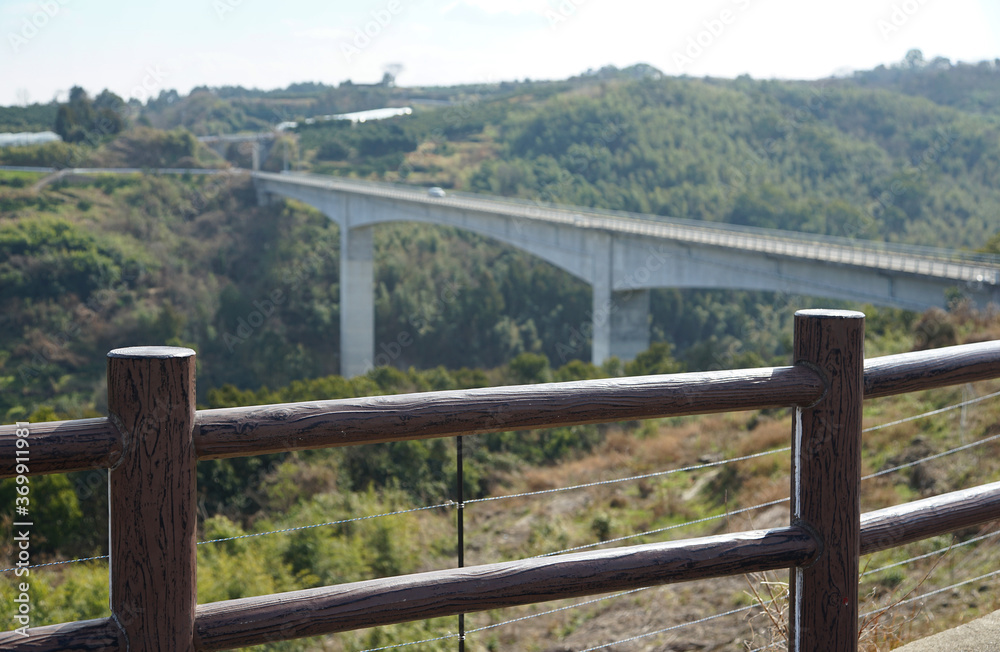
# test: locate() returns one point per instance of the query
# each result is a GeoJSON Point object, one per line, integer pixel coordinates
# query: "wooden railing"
{"type": "Point", "coordinates": [153, 437]}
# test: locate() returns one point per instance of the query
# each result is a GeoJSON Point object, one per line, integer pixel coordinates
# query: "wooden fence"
{"type": "Point", "coordinates": [153, 437]}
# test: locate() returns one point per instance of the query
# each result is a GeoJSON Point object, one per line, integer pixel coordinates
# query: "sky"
{"type": "Point", "coordinates": [138, 49]}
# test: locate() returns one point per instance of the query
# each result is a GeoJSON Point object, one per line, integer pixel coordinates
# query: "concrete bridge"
{"type": "Point", "coordinates": [623, 255]}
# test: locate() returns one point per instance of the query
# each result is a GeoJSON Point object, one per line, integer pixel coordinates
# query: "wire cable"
{"type": "Point", "coordinates": [56, 563]}
{"type": "Point", "coordinates": [426, 640]}
{"type": "Point", "coordinates": [630, 478]}
{"type": "Point", "coordinates": [340, 522]}
{"type": "Point", "coordinates": [673, 627]}
{"type": "Point", "coordinates": [260, 534]}
{"type": "Point", "coordinates": [929, 594]}
{"type": "Point", "coordinates": [932, 412]}
{"type": "Point", "coordinates": [932, 457]}
{"type": "Point", "coordinates": [930, 554]}
{"type": "Point", "coordinates": [664, 529]}
{"type": "Point", "coordinates": [552, 611]}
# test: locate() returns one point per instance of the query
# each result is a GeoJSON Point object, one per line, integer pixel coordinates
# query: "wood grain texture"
{"type": "Point", "coordinates": [826, 474]}
{"type": "Point", "coordinates": [283, 616]}
{"type": "Point", "coordinates": [234, 432]}
{"type": "Point", "coordinates": [98, 635]}
{"type": "Point", "coordinates": [63, 446]}
{"type": "Point", "coordinates": [152, 497]}
{"type": "Point", "coordinates": [920, 370]}
{"type": "Point", "coordinates": [929, 517]}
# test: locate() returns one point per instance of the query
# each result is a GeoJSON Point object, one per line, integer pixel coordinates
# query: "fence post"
{"type": "Point", "coordinates": [151, 496]}
{"type": "Point", "coordinates": [826, 461]}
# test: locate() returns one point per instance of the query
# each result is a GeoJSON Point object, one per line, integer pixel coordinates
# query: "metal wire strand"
{"type": "Point", "coordinates": [929, 594]}
{"type": "Point", "coordinates": [260, 534]}
{"type": "Point", "coordinates": [672, 628]}
{"type": "Point", "coordinates": [340, 522]}
{"type": "Point", "coordinates": [931, 554]}
{"type": "Point", "coordinates": [56, 563]}
{"type": "Point", "coordinates": [633, 477]}
{"type": "Point", "coordinates": [932, 412]}
{"type": "Point", "coordinates": [978, 442]}
{"type": "Point", "coordinates": [426, 640]}
{"type": "Point", "coordinates": [664, 529]}
{"type": "Point", "coordinates": [552, 611]}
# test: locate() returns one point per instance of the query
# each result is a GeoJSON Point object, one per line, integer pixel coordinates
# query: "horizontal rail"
{"type": "Point", "coordinates": [919, 370]}
{"type": "Point", "coordinates": [64, 446]}
{"type": "Point", "coordinates": [231, 432]}
{"type": "Point", "coordinates": [98, 635]}
{"type": "Point", "coordinates": [310, 612]}
{"type": "Point", "coordinates": [929, 517]}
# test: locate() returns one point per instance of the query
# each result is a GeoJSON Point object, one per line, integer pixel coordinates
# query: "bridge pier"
{"type": "Point", "coordinates": [620, 317]}
{"type": "Point", "coordinates": [629, 323]}
{"type": "Point", "coordinates": [357, 300]}
{"type": "Point", "coordinates": [620, 323]}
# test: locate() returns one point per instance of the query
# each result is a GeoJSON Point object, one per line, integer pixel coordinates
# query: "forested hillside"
{"type": "Point", "coordinates": [99, 263]}
{"type": "Point", "coordinates": [119, 260]}
{"type": "Point", "coordinates": [829, 157]}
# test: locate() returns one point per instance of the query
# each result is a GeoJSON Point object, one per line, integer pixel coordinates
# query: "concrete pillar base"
{"type": "Point", "coordinates": [357, 301]}
{"type": "Point", "coordinates": [621, 324]}
{"type": "Point", "coordinates": [629, 324]}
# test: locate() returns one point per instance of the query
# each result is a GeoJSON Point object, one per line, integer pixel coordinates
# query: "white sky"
{"type": "Point", "coordinates": [137, 48]}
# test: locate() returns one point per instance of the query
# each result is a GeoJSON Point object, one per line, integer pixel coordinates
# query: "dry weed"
{"type": "Point", "coordinates": [877, 632]}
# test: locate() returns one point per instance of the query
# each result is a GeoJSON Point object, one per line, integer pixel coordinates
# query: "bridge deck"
{"type": "Point", "coordinates": [924, 261]}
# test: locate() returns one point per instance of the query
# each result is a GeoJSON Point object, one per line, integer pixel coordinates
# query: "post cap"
{"type": "Point", "coordinates": [830, 314]}
{"type": "Point", "coordinates": [151, 352]}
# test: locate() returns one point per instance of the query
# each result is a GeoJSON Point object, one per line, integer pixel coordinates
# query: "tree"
{"type": "Point", "coordinates": [84, 120]}
{"type": "Point", "coordinates": [658, 359]}
{"type": "Point", "coordinates": [914, 59]}
{"type": "Point", "coordinates": [65, 122]}
{"type": "Point", "coordinates": [992, 245]}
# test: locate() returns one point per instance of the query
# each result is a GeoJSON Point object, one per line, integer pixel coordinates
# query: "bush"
{"type": "Point", "coordinates": [333, 150]}
{"type": "Point", "coordinates": [47, 258]}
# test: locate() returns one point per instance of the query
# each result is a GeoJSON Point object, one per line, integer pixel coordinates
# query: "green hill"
{"type": "Point", "coordinates": [116, 260]}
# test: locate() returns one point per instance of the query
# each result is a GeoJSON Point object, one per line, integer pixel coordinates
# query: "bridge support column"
{"type": "Point", "coordinates": [620, 318]}
{"type": "Point", "coordinates": [629, 323]}
{"type": "Point", "coordinates": [620, 322]}
{"type": "Point", "coordinates": [357, 300]}
{"type": "Point", "coordinates": [600, 348]}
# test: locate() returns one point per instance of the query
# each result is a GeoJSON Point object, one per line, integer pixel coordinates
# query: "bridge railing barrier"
{"type": "Point", "coordinates": [153, 437]}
